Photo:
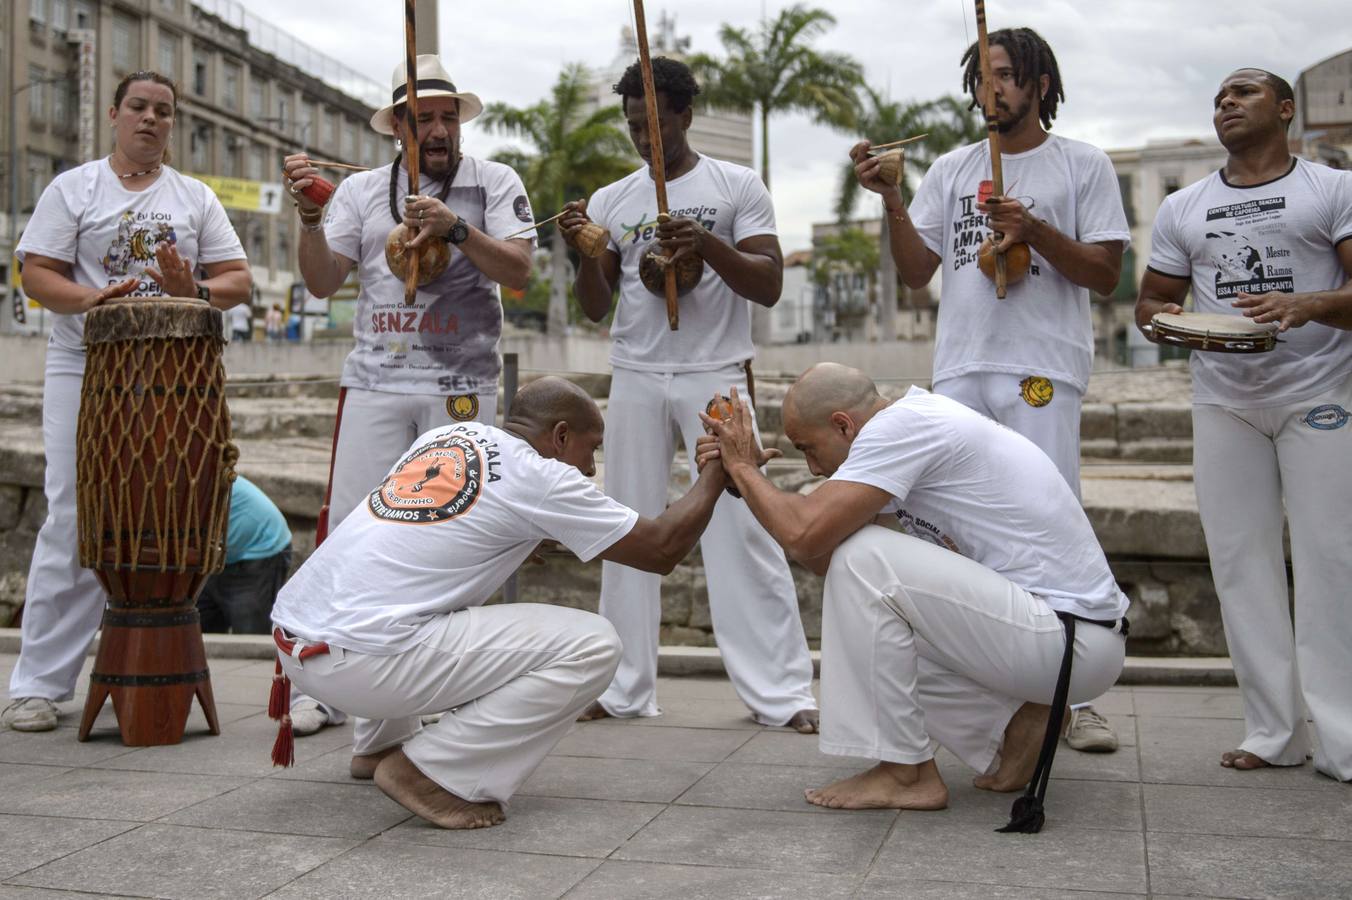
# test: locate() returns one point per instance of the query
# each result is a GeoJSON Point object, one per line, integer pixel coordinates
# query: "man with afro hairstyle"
{"type": "Point", "coordinates": [664, 379]}
{"type": "Point", "coordinates": [1025, 360]}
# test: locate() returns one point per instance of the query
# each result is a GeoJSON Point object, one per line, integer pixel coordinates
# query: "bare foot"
{"type": "Point", "coordinates": [885, 786]}
{"type": "Point", "coordinates": [805, 721]}
{"type": "Point", "coordinates": [1019, 751]}
{"type": "Point", "coordinates": [1243, 759]}
{"type": "Point", "coordinates": [406, 785]}
{"type": "Point", "coordinates": [593, 712]}
{"type": "Point", "coordinates": [364, 766]}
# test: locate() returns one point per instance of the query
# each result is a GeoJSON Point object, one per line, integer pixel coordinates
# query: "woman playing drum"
{"type": "Point", "coordinates": [127, 224]}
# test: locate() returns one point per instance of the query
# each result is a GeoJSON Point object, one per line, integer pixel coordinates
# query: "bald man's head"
{"type": "Point", "coordinates": [545, 402]}
{"type": "Point", "coordinates": [830, 387]}
{"type": "Point", "coordinates": [825, 409]}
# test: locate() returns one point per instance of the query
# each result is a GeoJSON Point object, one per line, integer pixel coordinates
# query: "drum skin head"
{"type": "Point", "coordinates": [1214, 323]}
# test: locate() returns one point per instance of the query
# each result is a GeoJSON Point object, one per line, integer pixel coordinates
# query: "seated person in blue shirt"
{"type": "Point", "coordinates": [239, 598]}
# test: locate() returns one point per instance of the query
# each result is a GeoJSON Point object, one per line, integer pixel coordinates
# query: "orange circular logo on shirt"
{"type": "Point", "coordinates": [434, 483]}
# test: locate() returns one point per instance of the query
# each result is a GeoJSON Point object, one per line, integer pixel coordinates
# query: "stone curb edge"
{"type": "Point", "coordinates": [1210, 671]}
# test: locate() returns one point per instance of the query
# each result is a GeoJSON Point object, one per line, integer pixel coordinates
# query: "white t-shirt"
{"type": "Point", "coordinates": [1278, 236]}
{"type": "Point", "coordinates": [965, 482]}
{"type": "Point", "coordinates": [447, 341]}
{"type": "Point", "coordinates": [728, 200]}
{"type": "Point", "coordinates": [1043, 326]}
{"type": "Point", "coordinates": [452, 520]}
{"type": "Point", "coordinates": [87, 218]}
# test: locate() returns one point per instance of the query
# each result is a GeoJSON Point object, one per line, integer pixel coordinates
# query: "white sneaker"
{"type": "Point", "coordinates": [307, 717]}
{"type": "Point", "coordinates": [1090, 732]}
{"type": "Point", "coordinates": [30, 714]}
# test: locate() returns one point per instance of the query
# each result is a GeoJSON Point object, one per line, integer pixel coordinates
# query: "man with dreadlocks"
{"type": "Point", "coordinates": [419, 366]}
{"type": "Point", "coordinates": [1025, 360]}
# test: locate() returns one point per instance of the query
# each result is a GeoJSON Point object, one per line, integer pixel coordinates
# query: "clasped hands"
{"type": "Point", "coordinates": [731, 442]}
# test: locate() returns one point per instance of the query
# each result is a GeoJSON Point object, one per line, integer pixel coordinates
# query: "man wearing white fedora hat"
{"type": "Point", "coordinates": [436, 361]}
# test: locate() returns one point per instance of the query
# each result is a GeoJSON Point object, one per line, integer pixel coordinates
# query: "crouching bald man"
{"type": "Point", "coordinates": [386, 618]}
{"type": "Point", "coordinates": [952, 631]}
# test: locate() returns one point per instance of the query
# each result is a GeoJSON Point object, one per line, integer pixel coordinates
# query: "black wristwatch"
{"type": "Point", "coordinates": [203, 293]}
{"type": "Point", "coordinates": [459, 232]}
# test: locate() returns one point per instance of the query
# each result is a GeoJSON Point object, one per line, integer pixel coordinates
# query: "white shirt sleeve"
{"type": "Point", "coordinates": [894, 451]}
{"type": "Point", "coordinates": [217, 241]}
{"type": "Point", "coordinates": [342, 223]}
{"type": "Point", "coordinates": [507, 209]}
{"type": "Point", "coordinates": [1099, 215]}
{"type": "Point", "coordinates": [578, 515]}
{"type": "Point", "coordinates": [1341, 199]}
{"type": "Point", "coordinates": [1168, 255]}
{"type": "Point", "coordinates": [53, 229]}
{"type": "Point", "coordinates": [927, 207]}
{"type": "Point", "coordinates": [755, 212]}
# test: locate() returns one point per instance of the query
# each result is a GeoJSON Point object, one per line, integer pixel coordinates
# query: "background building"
{"type": "Point", "coordinates": [248, 95]}
{"type": "Point", "coordinates": [1323, 125]}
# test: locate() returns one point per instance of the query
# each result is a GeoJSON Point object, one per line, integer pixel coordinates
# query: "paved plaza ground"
{"type": "Point", "coordinates": [699, 803]}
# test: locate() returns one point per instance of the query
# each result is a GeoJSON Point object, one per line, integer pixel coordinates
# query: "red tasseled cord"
{"type": "Point", "coordinates": [279, 707]}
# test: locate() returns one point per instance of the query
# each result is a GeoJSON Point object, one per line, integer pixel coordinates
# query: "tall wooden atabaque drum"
{"type": "Point", "coordinates": [153, 472]}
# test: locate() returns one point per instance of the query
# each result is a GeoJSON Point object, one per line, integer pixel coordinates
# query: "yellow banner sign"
{"type": "Point", "coordinates": [237, 193]}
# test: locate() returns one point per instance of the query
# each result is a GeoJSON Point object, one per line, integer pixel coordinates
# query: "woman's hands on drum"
{"type": "Point", "coordinates": [870, 178]}
{"type": "Point", "coordinates": [300, 175]}
{"type": "Point", "coordinates": [429, 216]}
{"type": "Point", "coordinates": [573, 218]}
{"type": "Point", "coordinates": [174, 276]}
{"type": "Point", "coordinates": [1287, 310]}
{"type": "Point", "coordinates": [116, 289]}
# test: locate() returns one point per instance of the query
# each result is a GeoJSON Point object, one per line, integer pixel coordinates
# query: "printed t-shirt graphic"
{"type": "Point", "coordinates": [437, 481]}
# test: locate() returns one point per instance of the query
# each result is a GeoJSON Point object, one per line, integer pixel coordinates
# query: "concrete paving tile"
{"type": "Point", "coordinates": [757, 786]}
{"type": "Point", "coordinates": [696, 688]}
{"type": "Point", "coordinates": [591, 778]}
{"type": "Point", "coordinates": [1256, 812]}
{"type": "Point", "coordinates": [27, 842]}
{"type": "Point", "coordinates": [58, 748]}
{"type": "Point", "coordinates": [655, 881]}
{"type": "Point", "coordinates": [1217, 705]}
{"type": "Point", "coordinates": [1123, 764]}
{"type": "Point", "coordinates": [396, 870]}
{"type": "Point", "coordinates": [105, 724]}
{"type": "Point", "coordinates": [1182, 750]}
{"type": "Point", "coordinates": [188, 863]}
{"type": "Point", "coordinates": [880, 888]}
{"type": "Point", "coordinates": [691, 712]}
{"type": "Point", "coordinates": [333, 766]}
{"type": "Point", "coordinates": [242, 748]}
{"type": "Point", "coordinates": [13, 892]}
{"type": "Point", "coordinates": [14, 774]}
{"type": "Point", "coordinates": [756, 839]}
{"type": "Point", "coordinates": [1106, 805]}
{"type": "Point", "coordinates": [1117, 702]}
{"type": "Point", "coordinates": [650, 742]}
{"type": "Point", "coordinates": [784, 748]}
{"type": "Point", "coordinates": [107, 794]}
{"type": "Point", "coordinates": [297, 807]}
{"type": "Point", "coordinates": [557, 827]}
{"type": "Point", "coordinates": [947, 845]}
{"type": "Point", "coordinates": [1225, 866]}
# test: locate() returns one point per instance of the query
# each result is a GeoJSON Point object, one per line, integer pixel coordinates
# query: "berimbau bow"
{"type": "Point", "coordinates": [659, 165]}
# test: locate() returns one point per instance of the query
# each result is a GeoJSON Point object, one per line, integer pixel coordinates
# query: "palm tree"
{"type": "Point", "coordinates": [574, 152]}
{"type": "Point", "coordinates": [775, 69]}
{"type": "Point", "coordinates": [949, 122]}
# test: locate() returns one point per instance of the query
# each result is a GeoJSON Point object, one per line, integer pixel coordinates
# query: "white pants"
{"type": "Point", "coordinates": [509, 679]}
{"type": "Point", "coordinates": [1246, 463]}
{"type": "Point", "coordinates": [1055, 427]}
{"type": "Point", "coordinates": [375, 430]}
{"type": "Point", "coordinates": [922, 647]}
{"type": "Point", "coordinates": [752, 600]}
{"type": "Point", "coordinates": [64, 602]}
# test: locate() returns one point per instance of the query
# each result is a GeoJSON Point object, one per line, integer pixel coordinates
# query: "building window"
{"type": "Point", "coordinates": [1169, 184]}
{"type": "Point", "coordinates": [169, 44]}
{"type": "Point", "coordinates": [230, 159]}
{"type": "Point", "coordinates": [84, 14]}
{"type": "Point", "coordinates": [37, 11]}
{"type": "Point", "coordinates": [350, 141]}
{"type": "Point", "coordinates": [256, 95]}
{"type": "Point", "coordinates": [331, 130]}
{"type": "Point", "coordinates": [230, 86]}
{"type": "Point", "coordinates": [1124, 187]}
{"type": "Point", "coordinates": [257, 160]}
{"type": "Point", "coordinates": [283, 110]}
{"type": "Point", "coordinates": [200, 151]}
{"type": "Point", "coordinates": [126, 43]}
{"type": "Point", "coordinates": [39, 175]}
{"type": "Point", "coordinates": [61, 105]}
{"type": "Point", "coordinates": [59, 14]}
{"type": "Point", "coordinates": [201, 68]}
{"type": "Point", "coordinates": [37, 93]}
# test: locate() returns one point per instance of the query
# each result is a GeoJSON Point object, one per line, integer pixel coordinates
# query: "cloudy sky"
{"type": "Point", "coordinates": [1134, 70]}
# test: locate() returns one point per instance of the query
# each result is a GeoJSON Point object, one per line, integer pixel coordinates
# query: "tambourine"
{"type": "Point", "coordinates": [1213, 332]}
{"type": "Point", "coordinates": [433, 256]}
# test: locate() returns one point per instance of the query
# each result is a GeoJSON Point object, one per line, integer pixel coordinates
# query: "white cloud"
{"type": "Point", "coordinates": [1133, 69]}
